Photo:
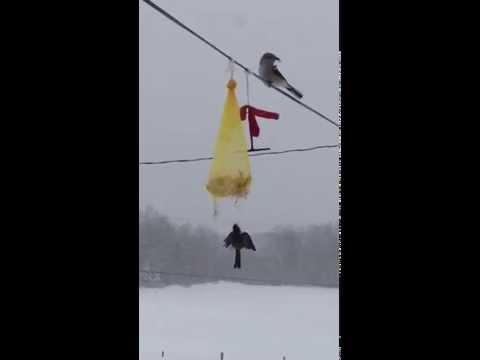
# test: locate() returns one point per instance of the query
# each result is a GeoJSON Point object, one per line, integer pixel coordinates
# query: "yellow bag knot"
{"type": "Point", "coordinates": [232, 84]}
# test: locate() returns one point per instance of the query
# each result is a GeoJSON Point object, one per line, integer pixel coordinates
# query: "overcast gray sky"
{"type": "Point", "coordinates": [182, 92]}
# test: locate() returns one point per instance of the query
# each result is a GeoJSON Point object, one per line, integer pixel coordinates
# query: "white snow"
{"type": "Point", "coordinates": [246, 322]}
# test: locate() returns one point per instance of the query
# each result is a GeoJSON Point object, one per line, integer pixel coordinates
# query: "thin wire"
{"type": "Point", "coordinates": [231, 69]}
{"type": "Point", "coordinates": [179, 23]}
{"type": "Point", "coordinates": [296, 150]}
{"type": "Point", "coordinates": [248, 87]}
{"type": "Point", "coordinates": [256, 154]}
{"type": "Point", "coordinates": [174, 161]}
{"type": "Point", "coordinates": [202, 276]}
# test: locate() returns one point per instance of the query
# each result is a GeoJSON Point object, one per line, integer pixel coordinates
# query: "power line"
{"type": "Point", "coordinates": [182, 25]}
{"type": "Point", "coordinates": [210, 277]}
{"type": "Point", "coordinates": [173, 161]}
{"type": "Point", "coordinates": [255, 154]}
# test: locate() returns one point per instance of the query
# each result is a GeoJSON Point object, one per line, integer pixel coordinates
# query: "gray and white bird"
{"type": "Point", "coordinates": [272, 76]}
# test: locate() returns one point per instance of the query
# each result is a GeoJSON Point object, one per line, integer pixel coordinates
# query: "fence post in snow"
{"type": "Point", "coordinates": [163, 354]}
{"type": "Point", "coordinates": [284, 358]}
{"type": "Point", "coordinates": [221, 355]}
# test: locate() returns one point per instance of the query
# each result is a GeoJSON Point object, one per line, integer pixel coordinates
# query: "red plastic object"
{"type": "Point", "coordinates": [252, 118]}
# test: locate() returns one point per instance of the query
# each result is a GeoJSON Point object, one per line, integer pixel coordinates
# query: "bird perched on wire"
{"type": "Point", "coordinates": [239, 240]}
{"type": "Point", "coordinates": [272, 76]}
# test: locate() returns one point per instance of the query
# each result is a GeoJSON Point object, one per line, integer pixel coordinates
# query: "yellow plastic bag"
{"type": "Point", "coordinates": [230, 174]}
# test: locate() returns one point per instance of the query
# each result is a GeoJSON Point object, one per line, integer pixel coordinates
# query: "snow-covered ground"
{"type": "Point", "coordinates": [246, 322]}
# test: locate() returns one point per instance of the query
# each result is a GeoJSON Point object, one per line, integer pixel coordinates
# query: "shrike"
{"type": "Point", "coordinates": [269, 72]}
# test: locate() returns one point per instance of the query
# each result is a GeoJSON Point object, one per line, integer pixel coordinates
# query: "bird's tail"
{"type": "Point", "coordinates": [294, 91]}
{"type": "Point", "coordinates": [238, 263]}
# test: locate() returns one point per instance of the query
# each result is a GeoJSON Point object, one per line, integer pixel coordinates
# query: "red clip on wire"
{"type": "Point", "coordinates": [252, 118]}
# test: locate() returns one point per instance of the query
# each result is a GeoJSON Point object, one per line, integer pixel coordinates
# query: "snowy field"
{"type": "Point", "coordinates": [246, 322]}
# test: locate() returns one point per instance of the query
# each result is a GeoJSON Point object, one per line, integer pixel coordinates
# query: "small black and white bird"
{"type": "Point", "coordinates": [239, 240]}
{"type": "Point", "coordinates": [272, 76]}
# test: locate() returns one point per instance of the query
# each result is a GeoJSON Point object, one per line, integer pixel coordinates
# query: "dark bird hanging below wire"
{"type": "Point", "coordinates": [239, 240]}
{"type": "Point", "coordinates": [272, 76]}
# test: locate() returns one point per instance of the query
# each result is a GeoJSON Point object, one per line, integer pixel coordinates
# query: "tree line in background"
{"type": "Point", "coordinates": [286, 255]}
